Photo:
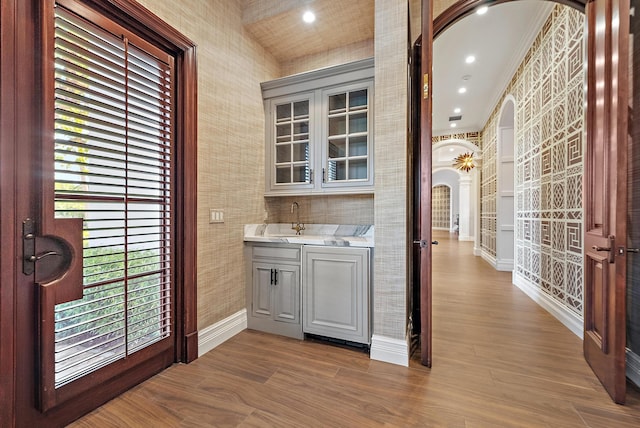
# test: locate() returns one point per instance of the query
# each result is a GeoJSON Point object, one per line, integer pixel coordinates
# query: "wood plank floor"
{"type": "Point", "coordinates": [499, 360]}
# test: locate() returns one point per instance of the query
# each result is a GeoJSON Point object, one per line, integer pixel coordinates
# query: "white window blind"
{"type": "Point", "coordinates": [113, 133]}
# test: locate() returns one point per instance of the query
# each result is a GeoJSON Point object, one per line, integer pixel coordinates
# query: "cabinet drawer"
{"type": "Point", "coordinates": [277, 252]}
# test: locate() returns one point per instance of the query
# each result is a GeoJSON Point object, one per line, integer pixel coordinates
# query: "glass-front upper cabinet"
{"type": "Point", "coordinates": [292, 156]}
{"type": "Point", "coordinates": [347, 136]}
{"type": "Point", "coordinates": [319, 131]}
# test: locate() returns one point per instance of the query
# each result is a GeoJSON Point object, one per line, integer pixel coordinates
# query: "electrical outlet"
{"type": "Point", "coordinates": [216, 216]}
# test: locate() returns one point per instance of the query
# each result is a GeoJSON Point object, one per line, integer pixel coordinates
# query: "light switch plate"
{"type": "Point", "coordinates": [216, 215]}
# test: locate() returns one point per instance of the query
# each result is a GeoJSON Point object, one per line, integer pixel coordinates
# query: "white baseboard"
{"type": "Point", "coordinates": [633, 367]}
{"type": "Point", "coordinates": [570, 320]}
{"type": "Point", "coordinates": [504, 265]}
{"type": "Point", "coordinates": [389, 350]}
{"type": "Point", "coordinates": [488, 258]}
{"type": "Point", "coordinates": [465, 238]}
{"type": "Point", "coordinates": [218, 333]}
{"type": "Point", "coordinates": [477, 251]}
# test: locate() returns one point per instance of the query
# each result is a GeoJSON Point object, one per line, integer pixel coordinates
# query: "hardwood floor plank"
{"type": "Point", "coordinates": [499, 360]}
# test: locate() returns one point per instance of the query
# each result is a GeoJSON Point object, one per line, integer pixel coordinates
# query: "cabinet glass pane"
{"type": "Point", "coordinates": [283, 174]}
{"type": "Point", "coordinates": [283, 153]}
{"type": "Point", "coordinates": [337, 170]}
{"type": "Point", "coordinates": [300, 152]}
{"type": "Point", "coordinates": [358, 146]}
{"type": "Point", "coordinates": [301, 109]}
{"type": "Point", "coordinates": [337, 103]}
{"type": "Point", "coordinates": [283, 112]}
{"type": "Point", "coordinates": [337, 125]}
{"type": "Point", "coordinates": [300, 174]}
{"type": "Point", "coordinates": [283, 130]}
{"type": "Point", "coordinates": [337, 148]}
{"type": "Point", "coordinates": [358, 99]}
{"type": "Point", "coordinates": [358, 169]}
{"type": "Point", "coordinates": [358, 123]}
{"type": "Point", "coordinates": [301, 130]}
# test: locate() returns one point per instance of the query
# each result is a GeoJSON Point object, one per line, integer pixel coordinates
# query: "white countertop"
{"type": "Point", "coordinates": [339, 235]}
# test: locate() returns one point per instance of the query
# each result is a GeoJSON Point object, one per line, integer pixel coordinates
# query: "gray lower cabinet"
{"type": "Point", "coordinates": [273, 295]}
{"type": "Point", "coordinates": [336, 292]}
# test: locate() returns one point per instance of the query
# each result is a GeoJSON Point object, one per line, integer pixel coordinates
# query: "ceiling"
{"type": "Point", "coordinates": [277, 25]}
{"type": "Point", "coordinates": [499, 40]}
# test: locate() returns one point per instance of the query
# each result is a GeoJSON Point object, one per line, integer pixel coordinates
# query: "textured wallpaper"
{"type": "Point", "coordinates": [549, 91]}
{"type": "Point", "coordinates": [230, 143]}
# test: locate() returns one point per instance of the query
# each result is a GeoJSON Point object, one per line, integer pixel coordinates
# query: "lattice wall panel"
{"type": "Point", "coordinates": [488, 176]}
{"type": "Point", "coordinates": [549, 92]}
{"type": "Point", "coordinates": [472, 137]}
{"type": "Point", "coordinates": [441, 207]}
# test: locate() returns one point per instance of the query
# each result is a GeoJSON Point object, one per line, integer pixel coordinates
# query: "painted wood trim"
{"type": "Point", "coordinates": [504, 265]}
{"type": "Point", "coordinates": [317, 79]}
{"type": "Point", "coordinates": [216, 334]}
{"type": "Point", "coordinates": [488, 257]}
{"type": "Point", "coordinates": [389, 350]}
{"type": "Point", "coordinates": [569, 319]}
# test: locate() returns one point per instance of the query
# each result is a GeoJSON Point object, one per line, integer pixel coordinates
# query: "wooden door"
{"type": "Point", "coordinates": [605, 192]}
{"type": "Point", "coordinates": [425, 183]}
{"type": "Point", "coordinates": [38, 202]}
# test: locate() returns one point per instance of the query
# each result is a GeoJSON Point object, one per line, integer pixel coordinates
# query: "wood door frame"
{"type": "Point", "coordinates": [464, 8]}
{"type": "Point", "coordinates": [141, 21]}
{"type": "Point", "coordinates": [426, 109]}
{"type": "Point", "coordinates": [8, 102]}
{"type": "Point", "coordinates": [21, 134]}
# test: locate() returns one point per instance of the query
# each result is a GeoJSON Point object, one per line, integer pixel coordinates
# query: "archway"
{"type": "Point", "coordinates": [606, 131]}
{"type": "Point", "coordinates": [467, 185]}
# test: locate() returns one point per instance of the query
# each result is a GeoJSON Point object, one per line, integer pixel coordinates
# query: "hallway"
{"type": "Point", "coordinates": [499, 361]}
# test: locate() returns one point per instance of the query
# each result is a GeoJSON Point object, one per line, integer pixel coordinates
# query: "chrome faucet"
{"type": "Point", "coordinates": [298, 227]}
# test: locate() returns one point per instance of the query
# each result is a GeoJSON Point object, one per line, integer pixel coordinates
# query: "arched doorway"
{"type": "Point", "coordinates": [604, 195]}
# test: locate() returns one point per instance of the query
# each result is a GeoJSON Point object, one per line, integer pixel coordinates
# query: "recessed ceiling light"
{"type": "Point", "coordinates": [482, 10]}
{"type": "Point", "coordinates": [451, 148]}
{"type": "Point", "coordinates": [309, 17]}
{"type": "Point", "coordinates": [453, 125]}
{"type": "Point", "coordinates": [462, 90]}
{"type": "Point", "coordinates": [470, 59]}
{"type": "Point", "coordinates": [457, 110]}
